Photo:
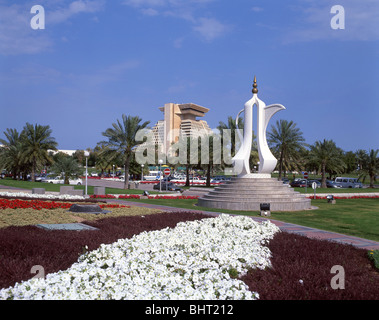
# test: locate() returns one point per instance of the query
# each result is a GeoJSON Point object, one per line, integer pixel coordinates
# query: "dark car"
{"type": "Point", "coordinates": [310, 182]}
{"type": "Point", "coordinates": [332, 184]}
{"type": "Point", "coordinates": [170, 187]}
{"type": "Point", "coordinates": [299, 183]}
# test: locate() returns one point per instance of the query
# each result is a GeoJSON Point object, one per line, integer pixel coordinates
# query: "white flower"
{"type": "Point", "coordinates": [40, 196]}
{"type": "Point", "coordinates": [191, 261]}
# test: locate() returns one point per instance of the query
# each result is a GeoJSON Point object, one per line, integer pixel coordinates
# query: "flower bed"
{"type": "Point", "coordinates": [39, 204]}
{"type": "Point", "coordinates": [39, 196]}
{"type": "Point", "coordinates": [195, 260]}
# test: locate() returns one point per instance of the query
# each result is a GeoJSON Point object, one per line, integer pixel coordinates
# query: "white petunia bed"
{"type": "Point", "coordinates": [195, 260]}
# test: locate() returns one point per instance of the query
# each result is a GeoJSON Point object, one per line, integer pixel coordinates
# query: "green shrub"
{"type": "Point", "coordinates": [374, 256]}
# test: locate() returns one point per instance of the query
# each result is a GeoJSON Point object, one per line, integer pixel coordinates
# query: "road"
{"type": "Point", "coordinates": [144, 187]}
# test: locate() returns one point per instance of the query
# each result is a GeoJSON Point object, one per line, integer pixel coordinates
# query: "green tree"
{"type": "Point", "coordinates": [11, 151]}
{"type": "Point", "coordinates": [37, 141]}
{"type": "Point", "coordinates": [286, 141]}
{"type": "Point", "coordinates": [327, 157]}
{"type": "Point", "coordinates": [370, 166]}
{"type": "Point", "coordinates": [231, 125]}
{"type": "Point", "coordinates": [67, 166]}
{"type": "Point", "coordinates": [350, 160]}
{"type": "Point", "coordinates": [122, 139]}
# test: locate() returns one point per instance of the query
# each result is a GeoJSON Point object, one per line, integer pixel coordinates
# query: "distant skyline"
{"type": "Point", "coordinates": [96, 60]}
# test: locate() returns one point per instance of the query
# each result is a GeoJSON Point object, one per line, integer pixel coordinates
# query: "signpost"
{"type": "Point", "coordinates": [314, 186]}
{"type": "Point", "coordinates": [305, 176]}
{"type": "Point", "coordinates": [167, 172]}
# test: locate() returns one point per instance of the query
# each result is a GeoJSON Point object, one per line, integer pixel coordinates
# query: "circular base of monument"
{"type": "Point", "coordinates": [247, 194]}
{"type": "Point", "coordinates": [304, 204]}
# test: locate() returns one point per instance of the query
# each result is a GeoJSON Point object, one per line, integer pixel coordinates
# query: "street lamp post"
{"type": "Point", "coordinates": [142, 172]}
{"type": "Point", "coordinates": [160, 179]}
{"type": "Point", "coordinates": [86, 154]}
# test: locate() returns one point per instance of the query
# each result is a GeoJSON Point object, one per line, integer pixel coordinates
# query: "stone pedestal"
{"type": "Point", "coordinates": [38, 191]}
{"type": "Point", "coordinates": [246, 194]}
{"type": "Point", "coordinates": [65, 189]}
{"type": "Point", "coordinates": [99, 191]}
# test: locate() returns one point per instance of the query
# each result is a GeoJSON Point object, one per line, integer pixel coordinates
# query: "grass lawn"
{"type": "Point", "coordinates": [56, 187]}
{"type": "Point", "coordinates": [337, 190]}
{"type": "Point", "coordinates": [356, 217]}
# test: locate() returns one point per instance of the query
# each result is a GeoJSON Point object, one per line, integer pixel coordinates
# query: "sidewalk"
{"type": "Point", "coordinates": [284, 226]}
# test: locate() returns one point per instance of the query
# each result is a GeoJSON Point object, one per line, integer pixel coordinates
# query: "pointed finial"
{"type": "Point", "coordinates": [255, 86]}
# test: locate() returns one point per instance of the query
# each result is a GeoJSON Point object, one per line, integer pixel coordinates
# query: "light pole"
{"type": "Point", "coordinates": [142, 172]}
{"type": "Point", "coordinates": [113, 172]}
{"type": "Point", "coordinates": [86, 154]}
{"type": "Point", "coordinates": [160, 179]}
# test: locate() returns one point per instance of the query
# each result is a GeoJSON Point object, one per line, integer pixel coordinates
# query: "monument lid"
{"type": "Point", "coordinates": [255, 86]}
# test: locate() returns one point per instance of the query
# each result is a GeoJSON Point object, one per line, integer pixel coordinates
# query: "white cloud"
{"type": "Point", "coordinates": [74, 8]}
{"type": "Point", "coordinates": [17, 36]}
{"type": "Point", "coordinates": [361, 22]}
{"type": "Point", "coordinates": [257, 9]}
{"type": "Point", "coordinates": [150, 12]}
{"type": "Point", "coordinates": [210, 28]}
{"type": "Point", "coordinates": [187, 10]}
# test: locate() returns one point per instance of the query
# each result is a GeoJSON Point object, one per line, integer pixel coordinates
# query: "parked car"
{"type": "Point", "coordinates": [310, 182]}
{"type": "Point", "coordinates": [347, 182]}
{"type": "Point", "coordinates": [60, 180]}
{"type": "Point", "coordinates": [218, 179]}
{"type": "Point", "coordinates": [332, 184]}
{"type": "Point", "coordinates": [285, 180]}
{"type": "Point", "coordinates": [299, 183]}
{"type": "Point", "coordinates": [170, 187]}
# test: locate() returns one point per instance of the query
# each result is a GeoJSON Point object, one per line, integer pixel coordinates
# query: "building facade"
{"type": "Point", "coordinates": [179, 120]}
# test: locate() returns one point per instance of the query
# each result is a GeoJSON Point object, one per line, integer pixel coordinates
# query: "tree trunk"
{"type": "Point", "coordinates": [280, 165]}
{"type": "Point", "coordinates": [127, 164]}
{"type": "Point", "coordinates": [372, 181]}
{"type": "Point", "coordinates": [187, 176]}
{"type": "Point", "coordinates": [323, 173]}
{"type": "Point", "coordinates": [34, 171]}
{"type": "Point", "coordinates": [209, 168]}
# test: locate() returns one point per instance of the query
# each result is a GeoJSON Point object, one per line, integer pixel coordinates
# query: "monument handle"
{"type": "Point", "coordinates": [239, 133]}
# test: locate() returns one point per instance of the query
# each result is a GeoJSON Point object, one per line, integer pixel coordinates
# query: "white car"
{"type": "Point", "coordinates": [60, 180]}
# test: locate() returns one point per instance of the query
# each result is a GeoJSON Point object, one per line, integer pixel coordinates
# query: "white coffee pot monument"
{"type": "Point", "coordinates": [267, 161]}
{"type": "Point", "coordinates": [248, 191]}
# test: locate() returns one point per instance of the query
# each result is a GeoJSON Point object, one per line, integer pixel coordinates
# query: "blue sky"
{"type": "Point", "coordinates": [97, 59]}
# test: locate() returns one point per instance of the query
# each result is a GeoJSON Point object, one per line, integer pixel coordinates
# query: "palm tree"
{"type": "Point", "coordinates": [286, 140]}
{"type": "Point", "coordinates": [231, 125]}
{"type": "Point", "coordinates": [370, 166]}
{"type": "Point", "coordinates": [68, 166]}
{"type": "Point", "coordinates": [37, 141]}
{"type": "Point", "coordinates": [328, 157]}
{"type": "Point", "coordinates": [10, 152]}
{"type": "Point", "coordinates": [122, 139]}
